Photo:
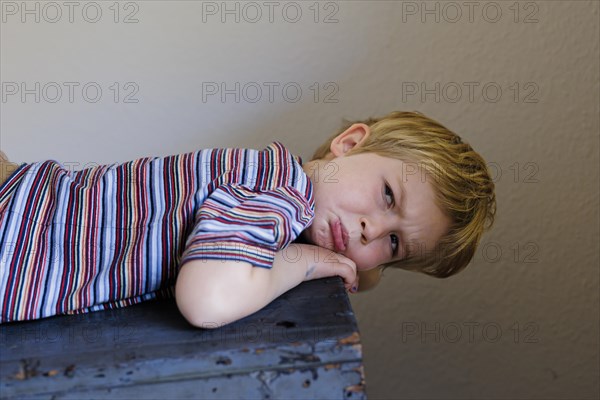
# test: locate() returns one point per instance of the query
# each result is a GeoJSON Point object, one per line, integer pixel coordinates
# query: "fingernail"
{"type": "Point", "coordinates": [354, 289]}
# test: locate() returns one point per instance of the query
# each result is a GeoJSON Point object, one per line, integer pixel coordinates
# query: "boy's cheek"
{"type": "Point", "coordinates": [362, 263]}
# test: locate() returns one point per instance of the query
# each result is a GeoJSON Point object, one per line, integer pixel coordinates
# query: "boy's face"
{"type": "Point", "coordinates": [369, 208]}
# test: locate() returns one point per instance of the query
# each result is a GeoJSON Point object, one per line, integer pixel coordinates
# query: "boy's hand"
{"type": "Point", "coordinates": [323, 263]}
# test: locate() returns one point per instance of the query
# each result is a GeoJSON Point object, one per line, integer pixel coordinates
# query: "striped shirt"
{"type": "Point", "coordinates": [115, 235]}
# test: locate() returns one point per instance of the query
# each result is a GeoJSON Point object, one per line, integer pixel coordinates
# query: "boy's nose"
{"type": "Point", "coordinates": [374, 228]}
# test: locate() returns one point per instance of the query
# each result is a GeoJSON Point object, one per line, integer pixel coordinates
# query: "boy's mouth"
{"type": "Point", "coordinates": [339, 236]}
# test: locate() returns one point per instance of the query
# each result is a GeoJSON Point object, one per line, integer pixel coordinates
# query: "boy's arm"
{"type": "Point", "coordinates": [213, 293]}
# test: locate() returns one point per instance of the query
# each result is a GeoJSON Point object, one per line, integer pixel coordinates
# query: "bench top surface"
{"type": "Point", "coordinates": [310, 326]}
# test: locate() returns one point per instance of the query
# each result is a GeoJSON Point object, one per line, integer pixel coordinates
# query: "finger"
{"type": "Point", "coordinates": [347, 273]}
{"type": "Point", "coordinates": [343, 259]}
{"type": "Point", "coordinates": [353, 288]}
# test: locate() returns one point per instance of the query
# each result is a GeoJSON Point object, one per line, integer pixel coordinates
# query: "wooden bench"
{"type": "Point", "coordinates": [303, 345]}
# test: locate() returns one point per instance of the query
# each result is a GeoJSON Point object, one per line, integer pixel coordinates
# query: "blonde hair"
{"type": "Point", "coordinates": [462, 184]}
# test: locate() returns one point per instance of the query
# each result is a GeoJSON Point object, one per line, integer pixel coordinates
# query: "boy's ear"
{"type": "Point", "coordinates": [350, 138]}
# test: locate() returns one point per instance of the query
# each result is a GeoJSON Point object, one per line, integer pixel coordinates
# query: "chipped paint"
{"type": "Point", "coordinates": [313, 353]}
{"type": "Point", "coordinates": [354, 338]}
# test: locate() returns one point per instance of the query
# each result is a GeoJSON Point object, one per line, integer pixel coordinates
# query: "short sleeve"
{"type": "Point", "coordinates": [237, 223]}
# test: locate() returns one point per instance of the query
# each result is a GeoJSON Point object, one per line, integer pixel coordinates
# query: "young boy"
{"type": "Point", "coordinates": [232, 229]}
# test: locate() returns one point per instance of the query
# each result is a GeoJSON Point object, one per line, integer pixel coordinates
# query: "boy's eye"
{"type": "Point", "coordinates": [394, 241]}
{"type": "Point", "coordinates": [389, 198]}
{"type": "Point", "coordinates": [389, 195]}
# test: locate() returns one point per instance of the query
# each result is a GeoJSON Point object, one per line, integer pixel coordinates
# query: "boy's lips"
{"type": "Point", "coordinates": [339, 235]}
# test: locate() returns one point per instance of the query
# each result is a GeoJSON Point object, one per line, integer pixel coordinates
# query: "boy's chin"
{"type": "Point", "coordinates": [365, 269]}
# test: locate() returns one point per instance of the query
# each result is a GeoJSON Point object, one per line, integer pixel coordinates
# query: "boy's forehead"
{"type": "Point", "coordinates": [403, 167]}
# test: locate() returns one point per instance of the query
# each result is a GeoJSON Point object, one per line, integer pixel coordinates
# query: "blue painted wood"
{"type": "Point", "coordinates": [305, 344]}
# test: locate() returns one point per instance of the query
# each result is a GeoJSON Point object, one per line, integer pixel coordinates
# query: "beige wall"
{"type": "Point", "coordinates": [522, 320]}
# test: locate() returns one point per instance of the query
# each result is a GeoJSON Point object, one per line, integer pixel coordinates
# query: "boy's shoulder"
{"type": "Point", "coordinates": [271, 167]}
{"type": "Point", "coordinates": [283, 167]}
{"type": "Point", "coordinates": [276, 152]}
{"type": "Point", "coordinates": [281, 152]}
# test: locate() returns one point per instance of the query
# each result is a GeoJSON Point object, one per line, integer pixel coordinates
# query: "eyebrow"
{"type": "Point", "coordinates": [401, 206]}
